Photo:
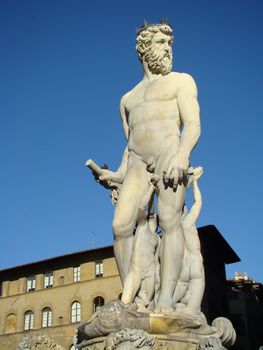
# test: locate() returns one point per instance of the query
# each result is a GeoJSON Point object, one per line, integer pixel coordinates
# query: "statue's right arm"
{"type": "Point", "coordinates": [119, 175]}
{"type": "Point", "coordinates": [124, 116]}
{"type": "Point", "coordinates": [124, 162]}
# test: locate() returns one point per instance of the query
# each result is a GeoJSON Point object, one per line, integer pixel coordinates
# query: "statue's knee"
{"type": "Point", "coordinates": [121, 228]}
{"type": "Point", "coordinates": [117, 227]}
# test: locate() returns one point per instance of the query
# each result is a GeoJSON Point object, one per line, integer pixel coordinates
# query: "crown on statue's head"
{"type": "Point", "coordinates": [145, 25]}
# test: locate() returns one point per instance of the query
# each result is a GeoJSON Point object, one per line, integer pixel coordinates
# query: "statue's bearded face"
{"type": "Point", "coordinates": [159, 54]}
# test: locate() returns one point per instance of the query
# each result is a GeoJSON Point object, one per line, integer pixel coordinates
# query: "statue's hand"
{"type": "Point", "coordinates": [197, 173]}
{"type": "Point", "coordinates": [105, 177]}
{"type": "Point", "coordinates": [110, 177]}
{"type": "Point", "coordinates": [115, 195]}
{"type": "Point", "coordinates": [176, 171]}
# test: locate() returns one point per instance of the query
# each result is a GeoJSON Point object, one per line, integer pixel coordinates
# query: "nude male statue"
{"type": "Point", "coordinates": [160, 118]}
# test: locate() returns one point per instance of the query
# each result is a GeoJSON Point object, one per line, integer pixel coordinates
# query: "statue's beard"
{"type": "Point", "coordinates": [159, 62]}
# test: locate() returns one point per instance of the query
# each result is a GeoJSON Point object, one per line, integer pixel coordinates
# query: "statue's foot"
{"type": "Point", "coordinates": [164, 305]}
{"type": "Point", "coordinates": [185, 310]}
{"type": "Point", "coordinates": [140, 305]}
{"type": "Point", "coordinates": [163, 309]}
{"type": "Point", "coordinates": [142, 308]}
{"type": "Point", "coordinates": [188, 312]}
{"type": "Point", "coordinates": [179, 306]}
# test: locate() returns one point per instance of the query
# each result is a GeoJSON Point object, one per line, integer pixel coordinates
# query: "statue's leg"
{"type": "Point", "coordinates": [146, 259]}
{"type": "Point", "coordinates": [135, 184]}
{"type": "Point", "coordinates": [141, 275]}
{"type": "Point", "coordinates": [131, 285]}
{"type": "Point", "coordinates": [183, 282]}
{"type": "Point", "coordinates": [196, 277]}
{"type": "Point", "coordinates": [197, 283]}
{"type": "Point", "coordinates": [134, 277]}
{"type": "Point", "coordinates": [170, 205]}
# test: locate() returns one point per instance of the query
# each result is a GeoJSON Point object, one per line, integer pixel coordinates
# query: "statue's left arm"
{"type": "Point", "coordinates": [194, 212]}
{"type": "Point", "coordinates": [189, 113]}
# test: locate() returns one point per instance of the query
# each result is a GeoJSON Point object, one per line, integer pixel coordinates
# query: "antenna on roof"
{"type": "Point", "coordinates": [92, 241]}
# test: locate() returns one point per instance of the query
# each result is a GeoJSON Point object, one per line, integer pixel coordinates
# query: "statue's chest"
{"type": "Point", "coordinates": [152, 92]}
{"type": "Point", "coordinates": [160, 90]}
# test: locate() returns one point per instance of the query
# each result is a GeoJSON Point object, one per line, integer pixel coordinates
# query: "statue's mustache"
{"type": "Point", "coordinates": [153, 55]}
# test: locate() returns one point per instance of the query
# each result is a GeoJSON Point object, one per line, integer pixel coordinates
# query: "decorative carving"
{"type": "Point", "coordinates": [211, 343]}
{"type": "Point", "coordinates": [41, 342]}
{"type": "Point", "coordinates": [169, 334]}
{"type": "Point", "coordinates": [225, 330]}
{"type": "Point", "coordinates": [163, 345]}
{"type": "Point", "coordinates": [129, 339]}
{"type": "Point", "coordinates": [112, 317]}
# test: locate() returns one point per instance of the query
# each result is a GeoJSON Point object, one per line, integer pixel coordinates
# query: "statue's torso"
{"type": "Point", "coordinates": [153, 115]}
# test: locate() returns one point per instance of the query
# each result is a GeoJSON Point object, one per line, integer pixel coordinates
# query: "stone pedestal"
{"type": "Point", "coordinates": [121, 327]}
{"type": "Point", "coordinates": [155, 342]}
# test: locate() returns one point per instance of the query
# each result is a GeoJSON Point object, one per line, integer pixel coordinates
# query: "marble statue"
{"type": "Point", "coordinates": [156, 243]}
{"type": "Point", "coordinates": [160, 118]}
{"type": "Point", "coordinates": [190, 287]}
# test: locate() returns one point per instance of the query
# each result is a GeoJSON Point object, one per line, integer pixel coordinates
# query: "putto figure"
{"type": "Point", "coordinates": [190, 287]}
{"type": "Point", "coordinates": [161, 122]}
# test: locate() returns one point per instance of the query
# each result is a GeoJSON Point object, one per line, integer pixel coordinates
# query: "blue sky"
{"type": "Point", "coordinates": [64, 66]}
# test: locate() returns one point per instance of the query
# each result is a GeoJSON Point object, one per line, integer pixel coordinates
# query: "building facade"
{"type": "Point", "coordinates": [51, 297]}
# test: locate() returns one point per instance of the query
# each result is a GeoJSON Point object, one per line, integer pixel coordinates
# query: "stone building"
{"type": "Point", "coordinates": [50, 297]}
{"type": "Point", "coordinates": [245, 298]}
{"type": "Point", "coordinates": [216, 254]}
{"type": "Point", "coordinates": [43, 302]}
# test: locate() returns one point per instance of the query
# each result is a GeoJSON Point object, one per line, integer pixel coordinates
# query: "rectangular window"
{"type": "Point", "coordinates": [31, 283]}
{"type": "Point", "coordinates": [48, 279]}
{"type": "Point", "coordinates": [76, 274]}
{"type": "Point", "coordinates": [99, 269]}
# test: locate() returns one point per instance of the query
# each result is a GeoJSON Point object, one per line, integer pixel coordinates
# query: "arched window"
{"type": "Point", "coordinates": [10, 325]}
{"type": "Point", "coordinates": [97, 302]}
{"type": "Point", "coordinates": [75, 312]}
{"type": "Point", "coordinates": [61, 280]}
{"type": "Point", "coordinates": [29, 320]}
{"type": "Point", "coordinates": [46, 317]}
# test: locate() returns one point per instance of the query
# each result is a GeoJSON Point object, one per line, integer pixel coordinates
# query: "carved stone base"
{"type": "Point", "coordinates": [121, 327]}
{"type": "Point", "coordinates": [145, 342]}
{"type": "Point", "coordinates": [128, 339]}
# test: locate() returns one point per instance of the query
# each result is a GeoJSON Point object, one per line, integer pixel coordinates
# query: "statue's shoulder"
{"type": "Point", "coordinates": [184, 81]}
{"type": "Point", "coordinates": [182, 78]}
{"type": "Point", "coordinates": [129, 93]}
{"type": "Point", "coordinates": [124, 98]}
